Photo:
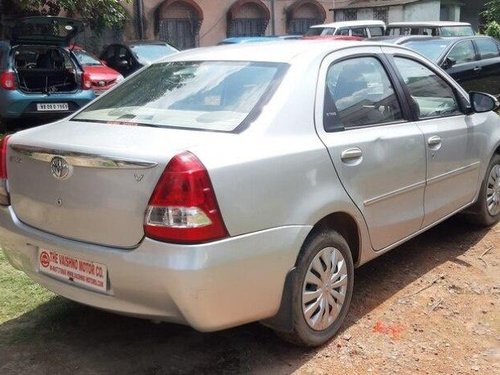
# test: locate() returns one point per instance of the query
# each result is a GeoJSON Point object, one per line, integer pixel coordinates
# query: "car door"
{"type": "Point", "coordinates": [489, 74]}
{"type": "Point", "coordinates": [462, 64]}
{"type": "Point", "coordinates": [452, 147]}
{"type": "Point", "coordinates": [378, 155]}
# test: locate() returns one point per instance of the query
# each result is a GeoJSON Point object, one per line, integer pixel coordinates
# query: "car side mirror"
{"type": "Point", "coordinates": [448, 63]}
{"type": "Point", "coordinates": [482, 102]}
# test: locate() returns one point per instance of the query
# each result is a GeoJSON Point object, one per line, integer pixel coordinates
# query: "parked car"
{"type": "Point", "coordinates": [432, 28]}
{"type": "Point", "coordinates": [40, 77]}
{"type": "Point", "coordinates": [129, 57]}
{"type": "Point", "coordinates": [474, 61]}
{"type": "Point", "coordinates": [244, 183]}
{"type": "Point", "coordinates": [362, 29]}
{"type": "Point", "coordinates": [102, 77]}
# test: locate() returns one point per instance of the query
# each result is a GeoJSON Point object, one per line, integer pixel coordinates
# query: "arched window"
{"type": "Point", "coordinates": [247, 18]}
{"type": "Point", "coordinates": [302, 14]}
{"type": "Point", "coordinates": [178, 23]}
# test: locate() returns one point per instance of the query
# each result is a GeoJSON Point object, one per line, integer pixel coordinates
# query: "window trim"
{"type": "Point", "coordinates": [394, 80]}
{"type": "Point", "coordinates": [460, 99]}
{"type": "Point", "coordinates": [474, 48]}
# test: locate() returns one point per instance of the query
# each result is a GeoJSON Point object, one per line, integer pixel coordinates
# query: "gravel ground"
{"type": "Point", "coordinates": [431, 306]}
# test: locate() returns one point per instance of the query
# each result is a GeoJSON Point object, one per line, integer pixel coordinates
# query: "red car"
{"type": "Point", "coordinates": [102, 77]}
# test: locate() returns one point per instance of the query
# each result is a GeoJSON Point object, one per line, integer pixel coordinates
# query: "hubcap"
{"type": "Point", "coordinates": [324, 289]}
{"type": "Point", "coordinates": [493, 191]}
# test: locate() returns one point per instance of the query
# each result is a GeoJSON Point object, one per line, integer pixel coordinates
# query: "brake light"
{"type": "Point", "coordinates": [183, 207]}
{"type": "Point", "coordinates": [4, 194]}
{"type": "Point", "coordinates": [86, 81]}
{"type": "Point", "coordinates": [8, 80]}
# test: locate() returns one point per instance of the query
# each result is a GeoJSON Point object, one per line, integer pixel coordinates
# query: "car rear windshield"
{"type": "Point", "coordinates": [147, 53]}
{"type": "Point", "coordinates": [457, 31]}
{"type": "Point", "coordinates": [432, 49]}
{"type": "Point", "coordinates": [210, 95]}
{"type": "Point", "coordinates": [85, 58]}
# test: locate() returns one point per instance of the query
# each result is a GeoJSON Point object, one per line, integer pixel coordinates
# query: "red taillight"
{"type": "Point", "coordinates": [8, 80]}
{"type": "Point", "coordinates": [183, 207]}
{"type": "Point", "coordinates": [3, 157]}
{"type": "Point", "coordinates": [86, 81]}
{"type": "Point", "coordinates": [4, 194]}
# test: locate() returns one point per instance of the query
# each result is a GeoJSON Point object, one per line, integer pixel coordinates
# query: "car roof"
{"type": "Point", "coordinates": [446, 39]}
{"type": "Point", "coordinates": [352, 23]}
{"type": "Point", "coordinates": [281, 51]}
{"type": "Point", "coordinates": [248, 39]}
{"type": "Point", "coordinates": [428, 23]}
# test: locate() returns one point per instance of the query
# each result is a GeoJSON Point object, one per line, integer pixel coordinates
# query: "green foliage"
{"type": "Point", "coordinates": [98, 14]}
{"type": "Point", "coordinates": [493, 29]}
{"type": "Point", "coordinates": [492, 12]}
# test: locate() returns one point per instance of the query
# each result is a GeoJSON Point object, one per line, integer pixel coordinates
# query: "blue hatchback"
{"type": "Point", "coordinates": [40, 77]}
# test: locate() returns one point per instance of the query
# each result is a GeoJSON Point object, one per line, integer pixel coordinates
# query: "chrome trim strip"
{"type": "Point", "coordinates": [391, 194]}
{"type": "Point", "coordinates": [81, 159]}
{"type": "Point", "coordinates": [454, 172]}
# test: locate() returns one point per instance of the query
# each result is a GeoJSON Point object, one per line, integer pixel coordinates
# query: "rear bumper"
{"type": "Point", "coordinates": [15, 104]}
{"type": "Point", "coordinates": [209, 287]}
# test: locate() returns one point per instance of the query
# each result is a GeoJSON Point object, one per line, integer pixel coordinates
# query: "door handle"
{"type": "Point", "coordinates": [350, 154]}
{"type": "Point", "coordinates": [434, 141]}
{"type": "Point", "coordinates": [477, 68]}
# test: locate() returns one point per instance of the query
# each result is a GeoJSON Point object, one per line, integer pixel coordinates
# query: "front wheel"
{"type": "Point", "coordinates": [322, 290]}
{"type": "Point", "coordinates": [486, 210]}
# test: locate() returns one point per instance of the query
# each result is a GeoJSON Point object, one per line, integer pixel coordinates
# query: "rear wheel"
{"type": "Point", "coordinates": [486, 211]}
{"type": "Point", "coordinates": [322, 290]}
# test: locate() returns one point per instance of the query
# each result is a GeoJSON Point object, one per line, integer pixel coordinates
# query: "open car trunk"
{"type": "Point", "coordinates": [45, 69]}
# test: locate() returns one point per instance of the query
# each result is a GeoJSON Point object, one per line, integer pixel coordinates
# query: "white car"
{"type": "Point", "coordinates": [361, 29]}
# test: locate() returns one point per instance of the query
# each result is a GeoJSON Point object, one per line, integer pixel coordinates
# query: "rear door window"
{"type": "Point", "coordinates": [358, 93]}
{"type": "Point", "coordinates": [487, 48]}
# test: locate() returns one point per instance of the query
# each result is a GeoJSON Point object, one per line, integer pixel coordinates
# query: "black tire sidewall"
{"type": "Point", "coordinates": [304, 334]}
{"type": "Point", "coordinates": [483, 216]}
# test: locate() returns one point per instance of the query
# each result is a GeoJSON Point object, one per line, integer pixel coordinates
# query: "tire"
{"type": "Point", "coordinates": [317, 310]}
{"type": "Point", "coordinates": [486, 210]}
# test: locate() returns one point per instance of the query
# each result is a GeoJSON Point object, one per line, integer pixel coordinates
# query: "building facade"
{"type": "Point", "coordinates": [193, 23]}
{"type": "Point", "coordinates": [403, 10]}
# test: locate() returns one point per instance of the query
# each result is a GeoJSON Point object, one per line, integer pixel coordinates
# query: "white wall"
{"type": "Point", "coordinates": [395, 14]}
{"type": "Point", "coordinates": [422, 11]}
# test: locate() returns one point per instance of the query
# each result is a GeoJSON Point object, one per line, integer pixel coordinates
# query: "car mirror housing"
{"type": "Point", "coordinates": [448, 63]}
{"type": "Point", "coordinates": [482, 102]}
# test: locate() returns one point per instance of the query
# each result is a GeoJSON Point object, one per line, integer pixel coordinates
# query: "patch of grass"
{"type": "Point", "coordinates": [18, 293]}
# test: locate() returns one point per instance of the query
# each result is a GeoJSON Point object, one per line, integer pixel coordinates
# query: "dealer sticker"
{"type": "Point", "coordinates": [75, 270]}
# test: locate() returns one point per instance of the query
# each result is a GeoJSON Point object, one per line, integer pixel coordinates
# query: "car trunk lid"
{"type": "Point", "coordinates": [93, 184]}
{"type": "Point", "coordinates": [45, 30]}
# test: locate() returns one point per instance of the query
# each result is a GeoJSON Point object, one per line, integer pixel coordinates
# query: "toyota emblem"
{"type": "Point", "coordinates": [60, 168]}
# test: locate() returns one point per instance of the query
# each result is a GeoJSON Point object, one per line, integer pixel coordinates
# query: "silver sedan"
{"type": "Point", "coordinates": [245, 183]}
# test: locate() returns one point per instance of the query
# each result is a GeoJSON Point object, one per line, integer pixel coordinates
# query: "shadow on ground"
{"type": "Point", "coordinates": [64, 337]}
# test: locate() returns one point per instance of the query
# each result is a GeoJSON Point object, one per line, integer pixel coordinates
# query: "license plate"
{"type": "Point", "coordinates": [52, 107]}
{"type": "Point", "coordinates": [78, 271]}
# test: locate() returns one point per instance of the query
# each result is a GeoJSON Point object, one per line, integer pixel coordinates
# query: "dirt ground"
{"type": "Point", "coordinates": [431, 306]}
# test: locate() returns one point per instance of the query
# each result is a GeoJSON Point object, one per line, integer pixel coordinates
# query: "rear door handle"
{"type": "Point", "coordinates": [477, 69]}
{"type": "Point", "coordinates": [351, 154]}
{"type": "Point", "coordinates": [434, 141]}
